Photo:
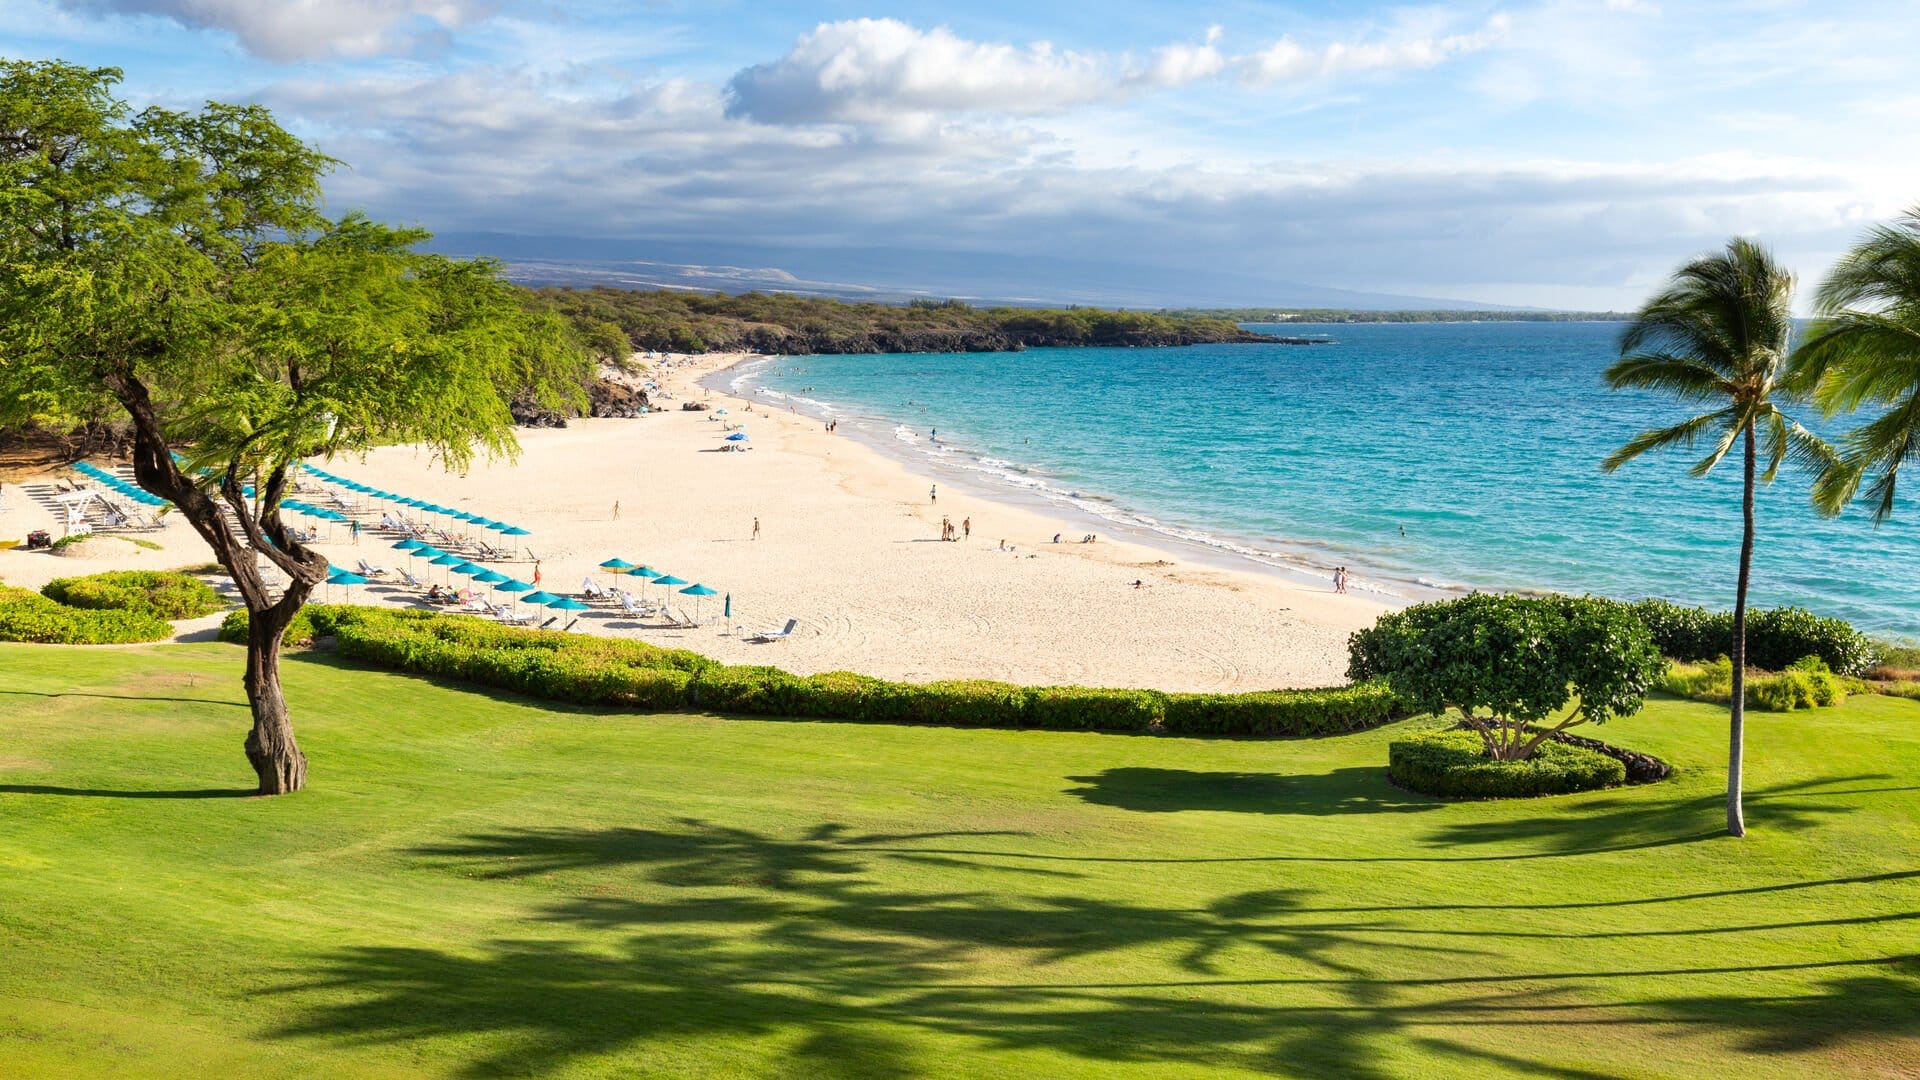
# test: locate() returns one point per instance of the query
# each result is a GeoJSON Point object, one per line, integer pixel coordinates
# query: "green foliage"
{"type": "Point", "coordinates": [585, 669]}
{"type": "Point", "coordinates": [302, 630]}
{"type": "Point", "coordinates": [1775, 637]}
{"type": "Point", "coordinates": [1506, 662]}
{"type": "Point", "coordinates": [781, 323]}
{"type": "Point", "coordinates": [1329, 711]}
{"type": "Point", "coordinates": [28, 616]}
{"type": "Point", "coordinates": [1864, 350]}
{"type": "Point", "coordinates": [166, 594]}
{"type": "Point", "coordinates": [1804, 684]}
{"type": "Point", "coordinates": [1455, 764]}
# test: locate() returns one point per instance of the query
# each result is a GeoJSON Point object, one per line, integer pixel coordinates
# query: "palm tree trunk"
{"type": "Point", "coordinates": [1736, 734]}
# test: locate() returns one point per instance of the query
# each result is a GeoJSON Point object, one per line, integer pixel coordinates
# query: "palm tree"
{"type": "Point", "coordinates": [1718, 336]}
{"type": "Point", "coordinates": [1866, 350]}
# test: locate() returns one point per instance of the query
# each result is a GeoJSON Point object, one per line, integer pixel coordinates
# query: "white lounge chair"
{"type": "Point", "coordinates": [411, 580]}
{"type": "Point", "coordinates": [781, 634]}
{"type": "Point", "coordinates": [370, 570]}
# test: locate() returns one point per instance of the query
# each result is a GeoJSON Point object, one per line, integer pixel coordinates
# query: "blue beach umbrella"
{"type": "Point", "coordinates": [697, 591]}
{"type": "Point", "coordinates": [539, 596]}
{"type": "Point", "coordinates": [515, 530]}
{"type": "Point", "coordinates": [347, 578]}
{"type": "Point", "coordinates": [490, 577]}
{"type": "Point", "coordinates": [616, 566]}
{"type": "Point", "coordinates": [513, 585]}
{"type": "Point", "coordinates": [669, 579]}
{"type": "Point", "coordinates": [467, 569]}
{"type": "Point", "coordinates": [567, 603]}
{"type": "Point", "coordinates": [738, 436]}
{"type": "Point", "coordinates": [727, 613]}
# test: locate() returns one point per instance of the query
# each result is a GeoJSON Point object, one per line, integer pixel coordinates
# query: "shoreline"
{"type": "Point", "coordinates": [1301, 566]}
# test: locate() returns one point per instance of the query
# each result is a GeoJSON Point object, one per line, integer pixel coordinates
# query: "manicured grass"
{"type": "Point", "coordinates": [477, 886]}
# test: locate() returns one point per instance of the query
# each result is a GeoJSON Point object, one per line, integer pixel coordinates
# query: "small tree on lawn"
{"type": "Point", "coordinates": [172, 266]}
{"type": "Point", "coordinates": [1509, 664]}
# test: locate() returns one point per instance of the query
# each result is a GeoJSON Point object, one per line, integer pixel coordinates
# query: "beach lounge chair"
{"type": "Point", "coordinates": [592, 592]}
{"type": "Point", "coordinates": [629, 605]}
{"type": "Point", "coordinates": [411, 580]}
{"type": "Point", "coordinates": [549, 622]}
{"type": "Point", "coordinates": [371, 570]}
{"type": "Point", "coordinates": [781, 634]}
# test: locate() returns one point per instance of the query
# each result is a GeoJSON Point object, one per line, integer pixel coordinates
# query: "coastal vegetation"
{"type": "Point", "coordinates": [1507, 664]}
{"type": "Point", "coordinates": [782, 324]}
{"type": "Point", "coordinates": [1455, 765]}
{"type": "Point", "coordinates": [1348, 315]}
{"type": "Point", "coordinates": [480, 884]}
{"type": "Point", "coordinates": [1865, 351]}
{"type": "Point", "coordinates": [1718, 334]}
{"type": "Point", "coordinates": [173, 269]}
{"type": "Point", "coordinates": [29, 616]}
{"type": "Point", "coordinates": [164, 594]}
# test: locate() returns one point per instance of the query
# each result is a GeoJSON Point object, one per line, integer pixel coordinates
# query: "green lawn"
{"type": "Point", "coordinates": [475, 886]}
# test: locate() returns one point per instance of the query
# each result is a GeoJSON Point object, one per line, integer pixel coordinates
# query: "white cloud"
{"type": "Point", "coordinates": [1287, 59]}
{"type": "Point", "coordinates": [887, 71]}
{"type": "Point", "coordinates": [304, 29]}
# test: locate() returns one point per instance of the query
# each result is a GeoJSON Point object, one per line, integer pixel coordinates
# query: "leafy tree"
{"type": "Point", "coordinates": [172, 266]}
{"type": "Point", "coordinates": [1508, 663]}
{"type": "Point", "coordinates": [1718, 337]}
{"type": "Point", "coordinates": [1865, 350]}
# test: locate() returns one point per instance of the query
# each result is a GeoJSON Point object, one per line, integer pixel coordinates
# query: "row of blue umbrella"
{"type": "Point", "coordinates": [500, 527]}
{"type": "Point", "coordinates": [521, 592]}
{"type": "Point", "coordinates": [649, 574]}
{"type": "Point", "coordinates": [117, 485]}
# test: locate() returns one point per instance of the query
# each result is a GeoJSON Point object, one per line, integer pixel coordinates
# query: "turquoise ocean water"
{"type": "Point", "coordinates": [1481, 440]}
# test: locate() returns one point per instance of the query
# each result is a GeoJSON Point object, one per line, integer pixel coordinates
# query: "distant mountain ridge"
{"type": "Point", "coordinates": [899, 275]}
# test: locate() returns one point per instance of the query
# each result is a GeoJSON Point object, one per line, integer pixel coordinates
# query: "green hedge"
{"type": "Point", "coordinates": [1454, 764]}
{"type": "Point", "coordinates": [1776, 637]}
{"type": "Point", "coordinates": [592, 670]}
{"type": "Point", "coordinates": [166, 594]}
{"type": "Point", "coordinates": [28, 616]}
{"type": "Point", "coordinates": [1805, 684]}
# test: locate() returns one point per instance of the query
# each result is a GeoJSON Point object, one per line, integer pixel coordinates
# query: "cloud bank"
{"type": "Point", "coordinates": [287, 30]}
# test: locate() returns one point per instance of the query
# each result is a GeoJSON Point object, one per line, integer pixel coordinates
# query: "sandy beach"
{"type": "Point", "coordinates": [849, 546]}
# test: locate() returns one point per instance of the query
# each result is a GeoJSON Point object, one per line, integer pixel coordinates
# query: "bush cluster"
{"type": "Point", "coordinates": [166, 594]}
{"type": "Point", "coordinates": [1806, 683]}
{"type": "Point", "coordinates": [28, 616]}
{"type": "Point", "coordinates": [586, 669]}
{"type": "Point", "coordinates": [1776, 637]}
{"type": "Point", "coordinates": [1454, 764]}
{"type": "Point", "coordinates": [233, 629]}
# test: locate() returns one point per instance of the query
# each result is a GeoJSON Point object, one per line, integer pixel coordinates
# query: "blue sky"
{"type": "Point", "coordinates": [1557, 154]}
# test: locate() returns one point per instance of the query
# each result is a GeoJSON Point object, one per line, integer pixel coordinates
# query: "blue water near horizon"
{"type": "Point", "coordinates": [1482, 441]}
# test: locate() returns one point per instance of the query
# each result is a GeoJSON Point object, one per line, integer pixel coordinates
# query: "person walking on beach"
{"type": "Point", "coordinates": [355, 530]}
{"type": "Point", "coordinates": [933, 494]}
{"type": "Point", "coordinates": [966, 528]}
{"type": "Point", "coordinates": [536, 571]}
{"type": "Point", "coordinates": [616, 509]}
{"type": "Point", "coordinates": [756, 528]}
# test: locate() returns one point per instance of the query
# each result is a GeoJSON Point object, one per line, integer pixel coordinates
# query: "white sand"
{"type": "Point", "coordinates": [849, 546]}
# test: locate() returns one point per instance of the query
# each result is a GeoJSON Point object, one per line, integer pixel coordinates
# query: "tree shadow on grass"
{"type": "Point", "coordinates": [125, 697]}
{"type": "Point", "coordinates": [1629, 820]}
{"type": "Point", "coordinates": [1341, 791]}
{"type": "Point", "coordinates": [103, 793]}
{"type": "Point", "coordinates": [703, 932]}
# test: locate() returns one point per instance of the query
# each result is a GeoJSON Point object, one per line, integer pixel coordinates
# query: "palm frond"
{"type": "Point", "coordinates": [1682, 434]}
{"type": "Point", "coordinates": [1678, 376]}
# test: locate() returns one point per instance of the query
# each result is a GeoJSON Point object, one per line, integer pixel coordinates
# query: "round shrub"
{"type": "Point", "coordinates": [1453, 764]}
{"type": "Point", "coordinates": [28, 616]}
{"type": "Point", "coordinates": [166, 594]}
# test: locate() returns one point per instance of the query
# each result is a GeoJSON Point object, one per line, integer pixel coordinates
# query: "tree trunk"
{"type": "Point", "coordinates": [1736, 733]}
{"type": "Point", "coordinates": [271, 749]}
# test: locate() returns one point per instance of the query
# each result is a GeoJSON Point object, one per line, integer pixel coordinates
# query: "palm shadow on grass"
{"type": "Point", "coordinates": [105, 793]}
{"type": "Point", "coordinates": [698, 931]}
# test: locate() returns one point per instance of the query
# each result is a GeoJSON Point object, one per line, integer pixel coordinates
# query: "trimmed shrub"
{"type": "Point", "coordinates": [1086, 708]}
{"type": "Point", "coordinates": [165, 594]}
{"type": "Point", "coordinates": [586, 669]}
{"type": "Point", "coordinates": [1454, 764]}
{"type": "Point", "coordinates": [1328, 711]}
{"type": "Point", "coordinates": [29, 616]}
{"type": "Point", "coordinates": [1710, 681]}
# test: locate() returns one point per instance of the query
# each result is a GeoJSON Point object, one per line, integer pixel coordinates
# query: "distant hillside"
{"type": "Point", "coordinates": [1340, 315]}
{"type": "Point", "coordinates": [783, 324]}
{"type": "Point", "coordinates": [897, 275]}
